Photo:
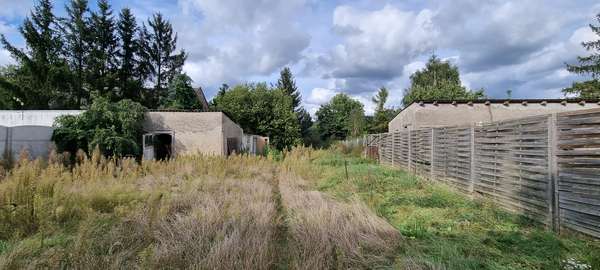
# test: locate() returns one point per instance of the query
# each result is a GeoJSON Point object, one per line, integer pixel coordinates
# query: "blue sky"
{"type": "Point", "coordinates": [357, 46]}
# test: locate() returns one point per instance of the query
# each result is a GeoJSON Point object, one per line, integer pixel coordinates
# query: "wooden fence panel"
{"type": "Point", "coordinates": [401, 149]}
{"type": "Point", "coordinates": [385, 148]}
{"type": "Point", "coordinates": [578, 161]}
{"type": "Point", "coordinates": [511, 165]}
{"type": "Point", "coordinates": [420, 151]}
{"type": "Point", "coordinates": [452, 157]}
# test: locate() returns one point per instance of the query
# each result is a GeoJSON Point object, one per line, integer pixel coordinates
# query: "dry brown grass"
{"type": "Point", "coordinates": [327, 234]}
{"type": "Point", "coordinates": [195, 212]}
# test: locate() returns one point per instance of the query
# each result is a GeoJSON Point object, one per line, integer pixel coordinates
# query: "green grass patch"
{"type": "Point", "coordinates": [444, 229]}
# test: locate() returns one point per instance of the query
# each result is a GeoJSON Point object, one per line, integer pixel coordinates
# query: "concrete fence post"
{"type": "Point", "coordinates": [553, 200]}
{"type": "Point", "coordinates": [473, 160]}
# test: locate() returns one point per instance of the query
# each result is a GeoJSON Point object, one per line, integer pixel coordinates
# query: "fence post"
{"type": "Point", "coordinates": [432, 154]}
{"type": "Point", "coordinates": [409, 151]}
{"type": "Point", "coordinates": [553, 202]}
{"type": "Point", "coordinates": [472, 178]}
{"type": "Point", "coordinates": [393, 147]}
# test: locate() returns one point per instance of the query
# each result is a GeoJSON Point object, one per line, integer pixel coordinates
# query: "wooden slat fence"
{"type": "Point", "coordinates": [544, 167]}
{"type": "Point", "coordinates": [578, 162]}
{"type": "Point", "coordinates": [452, 156]}
{"type": "Point", "coordinates": [512, 165]}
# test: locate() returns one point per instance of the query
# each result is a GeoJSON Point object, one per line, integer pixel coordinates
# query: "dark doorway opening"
{"type": "Point", "coordinates": [163, 146]}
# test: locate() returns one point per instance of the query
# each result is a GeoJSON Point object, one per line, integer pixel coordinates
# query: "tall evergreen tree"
{"type": "Point", "coordinates": [439, 80]}
{"type": "Point", "coordinates": [104, 47]}
{"type": "Point", "coordinates": [287, 83]}
{"type": "Point", "coordinates": [588, 65]}
{"type": "Point", "coordinates": [77, 38]}
{"type": "Point", "coordinates": [39, 79]}
{"type": "Point", "coordinates": [128, 74]}
{"type": "Point", "coordinates": [159, 57]}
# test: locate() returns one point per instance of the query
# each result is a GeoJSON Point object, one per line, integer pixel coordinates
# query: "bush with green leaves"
{"type": "Point", "coordinates": [115, 128]}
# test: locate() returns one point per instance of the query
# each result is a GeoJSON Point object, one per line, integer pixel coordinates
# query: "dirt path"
{"type": "Point", "coordinates": [282, 258]}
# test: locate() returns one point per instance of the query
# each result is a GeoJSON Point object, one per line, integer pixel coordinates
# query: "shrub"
{"type": "Point", "coordinates": [116, 128]}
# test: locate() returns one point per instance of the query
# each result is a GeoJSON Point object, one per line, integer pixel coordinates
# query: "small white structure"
{"type": "Point", "coordinates": [254, 144]}
{"type": "Point", "coordinates": [29, 130]}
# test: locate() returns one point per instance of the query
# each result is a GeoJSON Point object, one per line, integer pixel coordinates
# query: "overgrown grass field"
{"type": "Point", "coordinates": [443, 229]}
{"type": "Point", "coordinates": [304, 209]}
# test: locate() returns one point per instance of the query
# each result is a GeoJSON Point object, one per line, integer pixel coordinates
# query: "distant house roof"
{"type": "Point", "coordinates": [202, 98]}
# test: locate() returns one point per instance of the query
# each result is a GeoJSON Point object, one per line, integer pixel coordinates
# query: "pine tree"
{"type": "Point", "coordinates": [161, 62]}
{"type": "Point", "coordinates": [589, 65]}
{"type": "Point", "coordinates": [77, 38]}
{"type": "Point", "coordinates": [287, 83]}
{"type": "Point", "coordinates": [104, 46]}
{"type": "Point", "coordinates": [129, 79]}
{"type": "Point", "coordinates": [38, 82]}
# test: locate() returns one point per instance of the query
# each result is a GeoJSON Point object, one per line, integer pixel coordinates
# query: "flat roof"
{"type": "Point", "coordinates": [509, 100]}
{"type": "Point", "coordinates": [500, 101]}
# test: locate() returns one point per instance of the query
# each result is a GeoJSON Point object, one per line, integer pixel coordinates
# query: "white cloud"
{"type": "Point", "coordinates": [5, 58]}
{"type": "Point", "coordinates": [236, 39]}
{"type": "Point", "coordinates": [377, 44]}
{"type": "Point", "coordinates": [14, 8]}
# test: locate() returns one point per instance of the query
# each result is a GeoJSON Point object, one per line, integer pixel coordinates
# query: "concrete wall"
{"type": "Point", "coordinates": [12, 118]}
{"type": "Point", "coordinates": [430, 115]}
{"type": "Point", "coordinates": [194, 132]}
{"type": "Point", "coordinates": [231, 130]}
{"type": "Point", "coordinates": [36, 140]}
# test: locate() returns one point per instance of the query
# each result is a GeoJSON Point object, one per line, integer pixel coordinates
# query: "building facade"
{"type": "Point", "coordinates": [456, 113]}
{"type": "Point", "coordinates": [166, 133]}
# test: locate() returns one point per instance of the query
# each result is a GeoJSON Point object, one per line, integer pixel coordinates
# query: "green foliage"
{"type": "Point", "coordinates": [158, 45]}
{"type": "Point", "coordinates": [340, 118]}
{"type": "Point", "coordinates": [379, 122]}
{"type": "Point", "coordinates": [181, 94]}
{"type": "Point", "coordinates": [261, 110]}
{"type": "Point", "coordinates": [586, 90]}
{"type": "Point", "coordinates": [589, 65]}
{"type": "Point", "coordinates": [69, 60]}
{"type": "Point", "coordinates": [77, 35]}
{"type": "Point", "coordinates": [438, 81]}
{"type": "Point", "coordinates": [129, 72]}
{"type": "Point", "coordinates": [40, 78]}
{"type": "Point", "coordinates": [116, 128]}
{"type": "Point", "coordinates": [444, 229]}
{"type": "Point", "coordinates": [287, 83]}
{"type": "Point", "coordinates": [102, 63]}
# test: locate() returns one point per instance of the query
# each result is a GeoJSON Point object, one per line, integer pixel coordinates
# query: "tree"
{"type": "Point", "coordinates": [39, 79]}
{"type": "Point", "coordinates": [261, 110]}
{"type": "Point", "coordinates": [158, 55]}
{"type": "Point", "coordinates": [103, 51]}
{"type": "Point", "coordinates": [288, 84]}
{"type": "Point", "coordinates": [438, 81]}
{"type": "Point", "coordinates": [181, 94]}
{"type": "Point", "coordinates": [77, 40]}
{"type": "Point", "coordinates": [340, 118]}
{"type": "Point", "coordinates": [305, 121]}
{"type": "Point", "coordinates": [381, 118]}
{"type": "Point", "coordinates": [116, 128]}
{"type": "Point", "coordinates": [589, 65]}
{"type": "Point", "coordinates": [129, 75]}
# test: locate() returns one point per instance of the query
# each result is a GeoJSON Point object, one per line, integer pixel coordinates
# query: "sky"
{"type": "Point", "coordinates": [357, 46]}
